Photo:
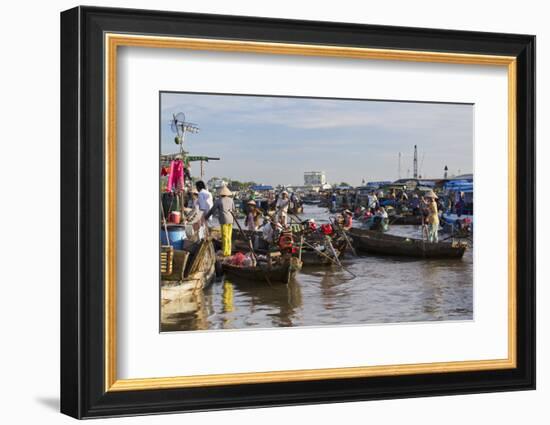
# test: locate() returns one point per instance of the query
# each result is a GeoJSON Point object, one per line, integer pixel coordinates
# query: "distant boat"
{"type": "Point", "coordinates": [383, 244]}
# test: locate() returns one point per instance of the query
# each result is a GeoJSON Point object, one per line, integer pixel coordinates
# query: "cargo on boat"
{"type": "Point", "coordinates": [281, 271]}
{"type": "Point", "coordinates": [384, 244]}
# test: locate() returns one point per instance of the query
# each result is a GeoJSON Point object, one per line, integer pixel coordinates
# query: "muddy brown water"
{"type": "Point", "coordinates": [385, 290]}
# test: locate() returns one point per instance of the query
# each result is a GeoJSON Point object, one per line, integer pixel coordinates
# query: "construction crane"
{"type": "Point", "coordinates": [415, 163]}
{"type": "Point", "coordinates": [399, 166]}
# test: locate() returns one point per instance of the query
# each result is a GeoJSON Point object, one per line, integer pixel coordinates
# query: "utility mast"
{"type": "Point", "coordinates": [415, 164]}
{"type": "Point", "coordinates": [399, 166]}
{"type": "Point", "coordinates": [446, 170]}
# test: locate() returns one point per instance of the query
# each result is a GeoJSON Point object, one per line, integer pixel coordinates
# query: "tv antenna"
{"type": "Point", "coordinates": [180, 127]}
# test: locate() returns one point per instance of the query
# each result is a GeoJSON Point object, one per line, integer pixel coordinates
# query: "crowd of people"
{"type": "Point", "coordinates": [223, 208]}
{"type": "Point", "coordinates": [277, 218]}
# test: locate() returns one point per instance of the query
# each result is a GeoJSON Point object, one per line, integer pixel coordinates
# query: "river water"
{"type": "Point", "coordinates": [386, 290]}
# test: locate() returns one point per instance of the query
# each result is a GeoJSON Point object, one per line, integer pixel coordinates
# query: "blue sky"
{"type": "Point", "coordinates": [274, 140]}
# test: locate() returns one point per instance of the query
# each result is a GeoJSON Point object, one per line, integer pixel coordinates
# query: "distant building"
{"type": "Point", "coordinates": [216, 183]}
{"type": "Point", "coordinates": [315, 178]}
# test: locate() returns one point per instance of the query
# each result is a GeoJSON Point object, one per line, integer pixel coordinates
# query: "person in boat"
{"type": "Point", "coordinates": [380, 216]}
{"type": "Point", "coordinates": [433, 216]}
{"type": "Point", "coordinates": [381, 212]}
{"type": "Point", "coordinates": [293, 201]}
{"type": "Point", "coordinates": [333, 201]}
{"type": "Point", "coordinates": [368, 214]}
{"type": "Point", "coordinates": [459, 205]}
{"type": "Point", "coordinates": [282, 208]}
{"type": "Point", "coordinates": [224, 209]}
{"type": "Point", "coordinates": [194, 200]}
{"type": "Point", "coordinates": [204, 199]}
{"type": "Point", "coordinates": [348, 220]}
{"type": "Point", "coordinates": [415, 204]}
{"type": "Point", "coordinates": [252, 220]}
{"type": "Point", "coordinates": [270, 230]}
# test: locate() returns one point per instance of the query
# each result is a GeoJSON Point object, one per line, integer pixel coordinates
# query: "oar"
{"type": "Point", "coordinates": [332, 260]}
{"type": "Point", "coordinates": [345, 237]}
{"type": "Point", "coordinates": [164, 223]}
{"type": "Point", "coordinates": [251, 248]}
{"type": "Point", "coordinates": [423, 233]}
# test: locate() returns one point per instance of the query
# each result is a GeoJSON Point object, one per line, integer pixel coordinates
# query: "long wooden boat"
{"type": "Point", "coordinates": [384, 244]}
{"type": "Point", "coordinates": [282, 272]}
{"type": "Point", "coordinates": [406, 220]}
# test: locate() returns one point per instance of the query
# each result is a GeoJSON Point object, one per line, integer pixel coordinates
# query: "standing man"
{"type": "Point", "coordinates": [282, 208]}
{"type": "Point", "coordinates": [224, 209]}
{"type": "Point", "coordinates": [204, 200]}
{"type": "Point", "coordinates": [433, 216]}
{"type": "Point", "coordinates": [460, 204]}
{"type": "Point", "coordinates": [333, 201]}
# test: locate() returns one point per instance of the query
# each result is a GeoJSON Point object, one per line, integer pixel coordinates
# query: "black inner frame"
{"type": "Point", "coordinates": [82, 217]}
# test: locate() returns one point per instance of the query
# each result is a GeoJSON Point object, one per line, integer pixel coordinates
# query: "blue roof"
{"type": "Point", "coordinates": [459, 185]}
{"type": "Point", "coordinates": [262, 187]}
{"type": "Point", "coordinates": [380, 183]}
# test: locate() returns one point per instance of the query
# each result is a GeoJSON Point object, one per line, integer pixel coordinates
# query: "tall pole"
{"type": "Point", "coordinates": [399, 166]}
{"type": "Point", "coordinates": [415, 163]}
{"type": "Point", "coordinates": [446, 170]}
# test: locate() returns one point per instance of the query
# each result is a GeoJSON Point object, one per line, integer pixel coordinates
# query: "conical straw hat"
{"type": "Point", "coordinates": [224, 191]}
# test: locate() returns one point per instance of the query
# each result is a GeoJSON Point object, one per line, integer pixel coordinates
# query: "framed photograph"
{"type": "Point", "coordinates": [261, 212]}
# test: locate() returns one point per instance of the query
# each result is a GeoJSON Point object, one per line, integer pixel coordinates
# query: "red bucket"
{"type": "Point", "coordinates": [174, 217]}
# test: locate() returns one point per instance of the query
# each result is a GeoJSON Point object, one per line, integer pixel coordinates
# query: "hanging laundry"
{"type": "Point", "coordinates": [175, 176]}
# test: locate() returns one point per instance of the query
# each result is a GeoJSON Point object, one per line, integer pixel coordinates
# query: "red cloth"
{"type": "Point", "coordinates": [238, 259]}
{"type": "Point", "coordinates": [326, 229]}
{"type": "Point", "coordinates": [175, 178]}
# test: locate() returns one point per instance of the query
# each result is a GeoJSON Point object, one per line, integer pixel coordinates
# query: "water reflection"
{"type": "Point", "coordinates": [386, 289]}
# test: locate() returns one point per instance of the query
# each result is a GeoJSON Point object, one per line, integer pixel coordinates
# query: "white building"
{"type": "Point", "coordinates": [216, 183]}
{"type": "Point", "coordinates": [315, 178]}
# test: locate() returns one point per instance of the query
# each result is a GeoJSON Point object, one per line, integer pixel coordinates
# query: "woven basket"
{"type": "Point", "coordinates": [166, 259]}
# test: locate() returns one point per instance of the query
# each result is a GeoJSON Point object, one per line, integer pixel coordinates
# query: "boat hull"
{"type": "Point", "coordinates": [391, 245]}
{"type": "Point", "coordinates": [415, 220]}
{"type": "Point", "coordinates": [262, 273]}
{"type": "Point", "coordinates": [201, 273]}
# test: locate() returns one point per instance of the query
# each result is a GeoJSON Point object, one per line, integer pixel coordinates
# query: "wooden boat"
{"type": "Point", "coordinates": [192, 269]}
{"type": "Point", "coordinates": [415, 220]}
{"type": "Point", "coordinates": [384, 244]}
{"type": "Point", "coordinates": [281, 272]}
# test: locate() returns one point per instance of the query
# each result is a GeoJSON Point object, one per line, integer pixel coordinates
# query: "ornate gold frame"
{"type": "Point", "coordinates": [113, 41]}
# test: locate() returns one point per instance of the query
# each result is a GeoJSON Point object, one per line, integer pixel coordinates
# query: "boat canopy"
{"type": "Point", "coordinates": [459, 186]}
{"type": "Point", "coordinates": [260, 187]}
{"type": "Point", "coordinates": [376, 185]}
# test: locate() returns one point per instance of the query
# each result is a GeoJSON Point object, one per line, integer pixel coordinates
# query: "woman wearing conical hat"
{"type": "Point", "coordinates": [224, 209]}
{"type": "Point", "coordinates": [433, 216]}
